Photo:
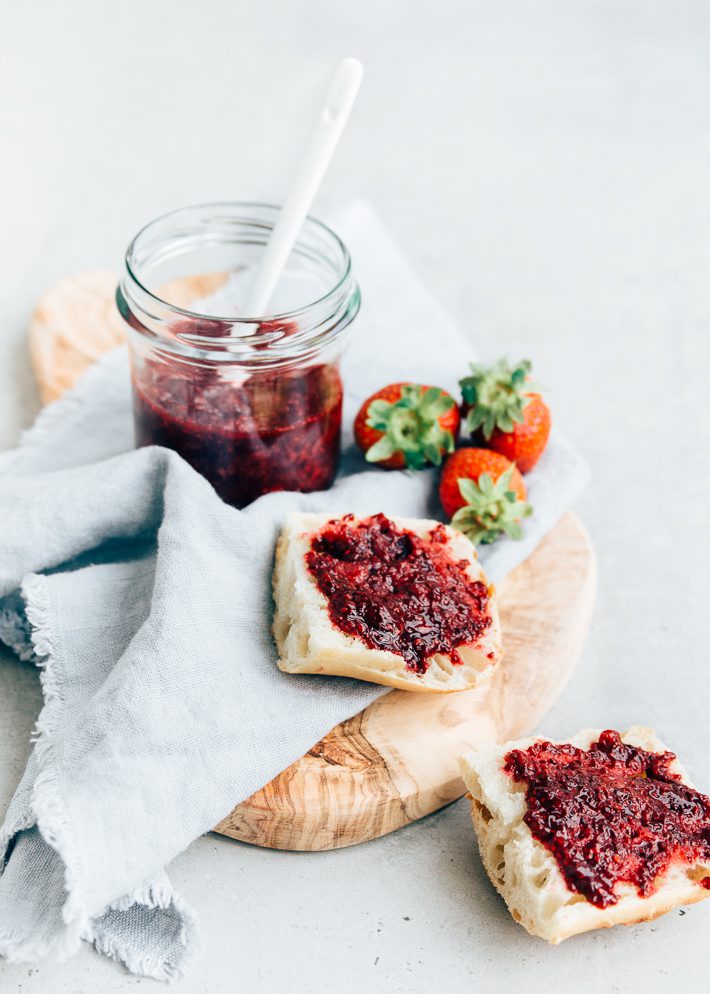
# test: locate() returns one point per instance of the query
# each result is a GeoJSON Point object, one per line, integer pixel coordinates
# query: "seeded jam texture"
{"type": "Point", "coordinates": [247, 434]}
{"type": "Point", "coordinates": [396, 591]}
{"type": "Point", "coordinates": [611, 814]}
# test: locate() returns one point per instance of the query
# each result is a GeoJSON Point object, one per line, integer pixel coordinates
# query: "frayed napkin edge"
{"type": "Point", "coordinates": [155, 967]}
{"type": "Point", "coordinates": [49, 813]}
{"type": "Point", "coordinates": [46, 806]}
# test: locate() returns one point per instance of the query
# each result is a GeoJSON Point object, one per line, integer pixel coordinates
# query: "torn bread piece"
{"type": "Point", "coordinates": [397, 601]}
{"type": "Point", "coordinates": [601, 830]}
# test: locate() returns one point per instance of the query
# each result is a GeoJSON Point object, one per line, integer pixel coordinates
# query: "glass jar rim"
{"type": "Point", "coordinates": [237, 320]}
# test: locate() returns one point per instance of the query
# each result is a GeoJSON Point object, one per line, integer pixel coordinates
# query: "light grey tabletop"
{"type": "Point", "coordinates": [547, 167]}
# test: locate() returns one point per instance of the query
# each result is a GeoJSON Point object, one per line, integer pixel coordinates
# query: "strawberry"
{"type": "Point", "coordinates": [526, 442]}
{"type": "Point", "coordinates": [406, 424]}
{"type": "Point", "coordinates": [503, 408]}
{"type": "Point", "coordinates": [484, 495]}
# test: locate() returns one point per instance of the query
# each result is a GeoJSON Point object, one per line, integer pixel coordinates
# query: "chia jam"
{"type": "Point", "coordinates": [396, 591]}
{"type": "Point", "coordinates": [247, 435]}
{"type": "Point", "coordinates": [611, 814]}
{"type": "Point", "coordinates": [253, 403]}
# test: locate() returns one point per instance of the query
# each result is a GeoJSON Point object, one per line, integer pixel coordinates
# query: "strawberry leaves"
{"type": "Point", "coordinates": [411, 426]}
{"type": "Point", "coordinates": [492, 509]}
{"type": "Point", "coordinates": [496, 396]}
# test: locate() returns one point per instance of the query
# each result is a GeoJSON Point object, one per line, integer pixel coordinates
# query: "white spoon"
{"type": "Point", "coordinates": [329, 127]}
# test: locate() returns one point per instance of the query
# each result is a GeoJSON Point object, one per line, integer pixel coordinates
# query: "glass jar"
{"type": "Point", "coordinates": [253, 402]}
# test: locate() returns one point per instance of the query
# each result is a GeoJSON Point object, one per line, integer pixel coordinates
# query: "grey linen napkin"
{"type": "Point", "coordinates": [145, 602]}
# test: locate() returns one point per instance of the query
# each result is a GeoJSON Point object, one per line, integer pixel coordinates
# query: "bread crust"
{"type": "Point", "coordinates": [308, 642]}
{"type": "Point", "coordinates": [526, 874]}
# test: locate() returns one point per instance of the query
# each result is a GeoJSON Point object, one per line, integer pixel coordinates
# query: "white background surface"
{"type": "Point", "coordinates": [547, 166]}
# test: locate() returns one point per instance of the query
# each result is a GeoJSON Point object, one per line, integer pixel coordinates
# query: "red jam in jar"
{"type": "Point", "coordinates": [254, 404]}
{"type": "Point", "coordinates": [396, 591]}
{"type": "Point", "coordinates": [611, 814]}
{"type": "Point", "coordinates": [248, 438]}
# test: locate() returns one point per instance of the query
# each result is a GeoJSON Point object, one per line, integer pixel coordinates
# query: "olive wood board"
{"type": "Point", "coordinates": [397, 760]}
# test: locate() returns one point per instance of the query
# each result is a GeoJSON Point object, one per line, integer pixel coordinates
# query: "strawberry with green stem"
{"type": "Point", "coordinates": [484, 495]}
{"type": "Point", "coordinates": [502, 408]}
{"type": "Point", "coordinates": [407, 425]}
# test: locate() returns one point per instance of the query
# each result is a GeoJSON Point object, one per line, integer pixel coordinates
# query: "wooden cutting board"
{"type": "Point", "coordinates": [397, 760]}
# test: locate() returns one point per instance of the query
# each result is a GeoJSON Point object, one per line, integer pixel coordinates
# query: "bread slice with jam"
{"type": "Point", "coordinates": [396, 601]}
{"type": "Point", "coordinates": [604, 829]}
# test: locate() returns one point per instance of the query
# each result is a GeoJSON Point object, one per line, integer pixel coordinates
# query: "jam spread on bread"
{"type": "Point", "coordinates": [396, 591]}
{"type": "Point", "coordinates": [609, 814]}
{"type": "Point", "coordinates": [266, 431]}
